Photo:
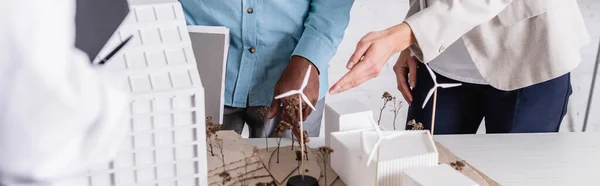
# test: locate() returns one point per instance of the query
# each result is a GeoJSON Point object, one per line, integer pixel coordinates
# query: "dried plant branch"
{"type": "Point", "coordinates": [225, 176]}
{"type": "Point", "coordinates": [247, 161]}
{"type": "Point", "coordinates": [397, 106]}
{"type": "Point", "coordinates": [415, 125]}
{"type": "Point", "coordinates": [211, 131]}
{"type": "Point", "coordinates": [264, 112]}
{"type": "Point", "coordinates": [292, 111]}
{"type": "Point", "coordinates": [458, 165]}
{"type": "Point", "coordinates": [209, 141]}
{"type": "Point", "coordinates": [305, 147]}
{"type": "Point", "coordinates": [325, 152]}
{"type": "Point", "coordinates": [283, 126]}
{"type": "Point", "coordinates": [387, 97]}
{"type": "Point", "coordinates": [219, 145]}
{"type": "Point", "coordinates": [298, 160]}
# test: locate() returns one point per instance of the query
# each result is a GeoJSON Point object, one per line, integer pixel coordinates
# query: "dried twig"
{"type": "Point", "coordinates": [219, 145]}
{"type": "Point", "coordinates": [305, 147]}
{"type": "Point", "coordinates": [225, 176]}
{"type": "Point", "coordinates": [264, 112]}
{"type": "Point", "coordinates": [387, 97]}
{"type": "Point", "coordinates": [298, 159]}
{"type": "Point", "coordinates": [247, 161]}
{"type": "Point", "coordinates": [292, 107]}
{"type": "Point", "coordinates": [283, 126]}
{"type": "Point", "coordinates": [325, 152]}
{"type": "Point", "coordinates": [415, 125]}
{"type": "Point", "coordinates": [458, 165]}
{"type": "Point", "coordinates": [397, 106]}
{"type": "Point", "coordinates": [211, 131]}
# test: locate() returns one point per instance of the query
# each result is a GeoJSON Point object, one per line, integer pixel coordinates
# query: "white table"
{"type": "Point", "coordinates": [520, 159]}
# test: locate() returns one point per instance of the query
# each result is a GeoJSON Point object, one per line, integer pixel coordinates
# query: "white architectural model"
{"type": "Point", "coordinates": [344, 116]}
{"type": "Point", "coordinates": [211, 47]}
{"type": "Point", "coordinates": [392, 153]}
{"type": "Point", "coordinates": [437, 175]}
{"type": "Point", "coordinates": [167, 135]}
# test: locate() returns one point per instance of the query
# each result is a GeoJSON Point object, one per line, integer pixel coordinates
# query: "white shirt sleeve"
{"type": "Point", "coordinates": [57, 116]}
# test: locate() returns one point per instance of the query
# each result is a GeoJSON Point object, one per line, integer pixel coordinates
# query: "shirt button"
{"type": "Point", "coordinates": [250, 10]}
{"type": "Point", "coordinates": [442, 49]}
{"type": "Point", "coordinates": [252, 50]}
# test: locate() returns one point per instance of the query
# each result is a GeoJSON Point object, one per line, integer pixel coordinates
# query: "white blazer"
{"type": "Point", "coordinates": [57, 116]}
{"type": "Point", "coordinates": [513, 43]}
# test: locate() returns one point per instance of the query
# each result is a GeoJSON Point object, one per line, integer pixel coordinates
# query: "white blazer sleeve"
{"type": "Point", "coordinates": [445, 21]}
{"type": "Point", "coordinates": [57, 116]}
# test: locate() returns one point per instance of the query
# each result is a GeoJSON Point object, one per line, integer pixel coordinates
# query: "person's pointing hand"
{"type": "Point", "coordinates": [371, 53]}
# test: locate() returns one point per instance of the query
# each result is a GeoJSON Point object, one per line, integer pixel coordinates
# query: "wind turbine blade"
{"type": "Point", "coordinates": [449, 85]}
{"type": "Point", "coordinates": [431, 73]}
{"type": "Point", "coordinates": [306, 76]}
{"type": "Point", "coordinates": [375, 147]}
{"type": "Point", "coordinates": [307, 101]}
{"type": "Point", "coordinates": [428, 96]}
{"type": "Point", "coordinates": [287, 94]}
{"type": "Point", "coordinates": [378, 131]}
{"type": "Point", "coordinates": [374, 124]}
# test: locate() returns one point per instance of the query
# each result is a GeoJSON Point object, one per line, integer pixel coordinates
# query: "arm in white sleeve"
{"type": "Point", "coordinates": [445, 21]}
{"type": "Point", "coordinates": [56, 115]}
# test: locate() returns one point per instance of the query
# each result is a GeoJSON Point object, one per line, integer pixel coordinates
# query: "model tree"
{"type": "Point", "coordinates": [387, 97]}
{"type": "Point", "coordinates": [264, 112]}
{"type": "Point", "coordinates": [415, 125]}
{"type": "Point", "coordinates": [211, 133]}
{"type": "Point", "coordinates": [326, 154]}
{"type": "Point", "coordinates": [283, 126]}
{"type": "Point", "coordinates": [397, 105]}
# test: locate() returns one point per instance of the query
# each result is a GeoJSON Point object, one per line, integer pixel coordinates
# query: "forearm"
{"type": "Point", "coordinates": [324, 29]}
{"type": "Point", "coordinates": [445, 21]}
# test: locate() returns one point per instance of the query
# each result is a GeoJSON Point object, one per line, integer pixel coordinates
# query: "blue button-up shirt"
{"type": "Point", "coordinates": [265, 34]}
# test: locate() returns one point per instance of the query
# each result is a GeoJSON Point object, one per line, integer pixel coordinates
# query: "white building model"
{"type": "Point", "coordinates": [166, 141]}
{"type": "Point", "coordinates": [443, 174]}
{"type": "Point", "coordinates": [369, 156]}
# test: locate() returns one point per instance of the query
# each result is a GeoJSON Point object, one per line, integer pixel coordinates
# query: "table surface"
{"type": "Point", "coordinates": [519, 159]}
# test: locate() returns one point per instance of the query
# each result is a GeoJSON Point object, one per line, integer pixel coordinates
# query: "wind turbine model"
{"type": "Point", "coordinates": [376, 146]}
{"type": "Point", "coordinates": [434, 92]}
{"type": "Point", "coordinates": [301, 97]}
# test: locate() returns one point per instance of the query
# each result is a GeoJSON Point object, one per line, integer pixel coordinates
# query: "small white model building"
{"type": "Point", "coordinates": [167, 135]}
{"type": "Point", "coordinates": [402, 151]}
{"type": "Point", "coordinates": [443, 174]}
{"type": "Point", "coordinates": [344, 116]}
{"type": "Point", "coordinates": [395, 152]}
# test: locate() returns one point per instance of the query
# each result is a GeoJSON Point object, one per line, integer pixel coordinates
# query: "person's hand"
{"type": "Point", "coordinates": [371, 53]}
{"type": "Point", "coordinates": [406, 74]}
{"type": "Point", "coordinates": [291, 79]}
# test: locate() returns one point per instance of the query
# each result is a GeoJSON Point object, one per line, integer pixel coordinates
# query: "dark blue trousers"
{"type": "Point", "coordinates": [460, 110]}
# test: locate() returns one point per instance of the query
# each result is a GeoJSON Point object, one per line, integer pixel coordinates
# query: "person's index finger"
{"type": "Point", "coordinates": [352, 79]}
{"type": "Point", "coordinates": [346, 81]}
